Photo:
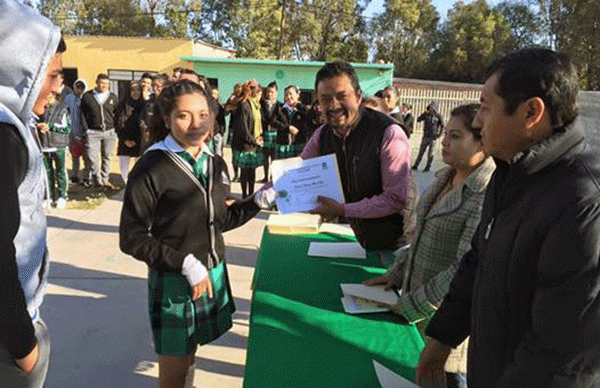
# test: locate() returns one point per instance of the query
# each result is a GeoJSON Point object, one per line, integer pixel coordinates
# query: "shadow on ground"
{"type": "Point", "coordinates": [100, 331]}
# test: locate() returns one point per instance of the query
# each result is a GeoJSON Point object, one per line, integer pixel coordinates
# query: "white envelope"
{"type": "Point", "coordinates": [389, 379]}
{"type": "Point", "coordinates": [374, 293]}
{"type": "Point", "coordinates": [353, 305]}
{"type": "Point", "coordinates": [351, 250]}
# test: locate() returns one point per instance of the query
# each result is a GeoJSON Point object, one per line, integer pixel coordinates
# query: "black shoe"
{"type": "Point", "coordinates": [264, 180]}
{"type": "Point", "coordinates": [415, 168]}
{"type": "Point", "coordinates": [426, 169]}
{"type": "Point", "coordinates": [75, 180]}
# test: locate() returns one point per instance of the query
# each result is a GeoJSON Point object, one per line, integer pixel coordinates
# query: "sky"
{"type": "Point", "coordinates": [442, 6]}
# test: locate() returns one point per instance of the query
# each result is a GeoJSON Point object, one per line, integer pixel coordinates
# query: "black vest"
{"type": "Point", "coordinates": [358, 158]}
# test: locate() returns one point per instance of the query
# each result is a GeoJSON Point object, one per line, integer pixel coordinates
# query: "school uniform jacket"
{"type": "Point", "coordinates": [168, 214]}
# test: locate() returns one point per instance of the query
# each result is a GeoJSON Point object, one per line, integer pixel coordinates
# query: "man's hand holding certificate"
{"type": "Point", "coordinates": [299, 182]}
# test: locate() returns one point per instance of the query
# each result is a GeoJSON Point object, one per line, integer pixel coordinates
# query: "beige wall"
{"type": "Point", "coordinates": [208, 51]}
{"type": "Point", "coordinates": [98, 54]}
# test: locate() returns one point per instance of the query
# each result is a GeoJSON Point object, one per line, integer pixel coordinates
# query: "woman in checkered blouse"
{"type": "Point", "coordinates": [447, 216]}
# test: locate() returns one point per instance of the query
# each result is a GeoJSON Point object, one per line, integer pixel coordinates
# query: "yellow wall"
{"type": "Point", "coordinates": [92, 55]}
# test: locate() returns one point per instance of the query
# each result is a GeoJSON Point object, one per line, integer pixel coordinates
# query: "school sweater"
{"type": "Point", "coordinates": [168, 214]}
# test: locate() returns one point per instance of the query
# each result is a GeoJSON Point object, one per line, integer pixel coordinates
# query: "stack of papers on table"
{"type": "Point", "coordinates": [294, 223]}
{"type": "Point", "coordinates": [362, 299]}
{"type": "Point", "coordinates": [389, 379]}
{"type": "Point", "coordinates": [348, 250]}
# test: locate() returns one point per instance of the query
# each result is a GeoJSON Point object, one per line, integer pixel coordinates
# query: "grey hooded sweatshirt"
{"type": "Point", "coordinates": [27, 42]}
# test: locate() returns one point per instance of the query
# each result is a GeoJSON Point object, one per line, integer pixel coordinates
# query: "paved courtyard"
{"type": "Point", "coordinates": [96, 305]}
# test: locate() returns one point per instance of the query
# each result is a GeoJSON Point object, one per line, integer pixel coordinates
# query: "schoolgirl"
{"type": "Point", "coordinates": [173, 217]}
{"type": "Point", "coordinates": [292, 137]}
{"type": "Point", "coordinates": [248, 136]}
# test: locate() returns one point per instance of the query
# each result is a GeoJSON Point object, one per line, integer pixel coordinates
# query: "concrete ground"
{"type": "Point", "coordinates": [96, 304]}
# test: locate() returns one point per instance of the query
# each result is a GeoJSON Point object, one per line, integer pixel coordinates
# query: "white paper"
{"type": "Point", "coordinates": [353, 305]}
{"type": "Point", "coordinates": [280, 166]}
{"type": "Point", "coordinates": [374, 293]}
{"type": "Point", "coordinates": [302, 181]}
{"type": "Point", "coordinates": [347, 250]}
{"type": "Point", "coordinates": [339, 229]}
{"type": "Point", "coordinates": [389, 379]}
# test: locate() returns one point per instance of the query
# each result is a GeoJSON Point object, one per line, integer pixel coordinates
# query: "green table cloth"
{"type": "Point", "coordinates": [300, 335]}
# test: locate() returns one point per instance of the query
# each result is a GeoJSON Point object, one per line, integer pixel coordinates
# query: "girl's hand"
{"type": "Point", "coordinates": [293, 130]}
{"type": "Point", "coordinates": [199, 289]}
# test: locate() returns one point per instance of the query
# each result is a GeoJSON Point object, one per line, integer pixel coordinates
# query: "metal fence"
{"type": "Point", "coordinates": [447, 100]}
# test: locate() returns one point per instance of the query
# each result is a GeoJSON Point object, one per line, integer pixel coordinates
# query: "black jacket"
{"type": "Point", "coordinates": [433, 124]}
{"type": "Point", "coordinates": [528, 291]}
{"type": "Point", "coordinates": [128, 121]}
{"type": "Point", "coordinates": [272, 119]}
{"type": "Point", "coordinates": [167, 216]}
{"type": "Point", "coordinates": [242, 125]}
{"type": "Point", "coordinates": [409, 123]}
{"type": "Point", "coordinates": [299, 119]}
{"type": "Point", "coordinates": [95, 116]}
{"type": "Point", "coordinates": [358, 158]}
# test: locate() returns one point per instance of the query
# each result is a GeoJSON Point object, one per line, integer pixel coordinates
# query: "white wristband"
{"type": "Point", "coordinates": [193, 270]}
{"type": "Point", "coordinates": [264, 199]}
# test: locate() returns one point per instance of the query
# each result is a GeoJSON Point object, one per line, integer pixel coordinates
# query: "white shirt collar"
{"type": "Point", "coordinates": [171, 144]}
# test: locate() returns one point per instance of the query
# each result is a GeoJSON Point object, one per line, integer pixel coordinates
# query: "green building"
{"type": "Point", "coordinates": [226, 72]}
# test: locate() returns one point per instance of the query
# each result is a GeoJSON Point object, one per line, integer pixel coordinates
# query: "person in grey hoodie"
{"type": "Point", "coordinates": [30, 65]}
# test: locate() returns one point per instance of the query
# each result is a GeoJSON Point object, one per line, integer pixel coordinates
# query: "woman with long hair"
{"type": "Point", "coordinates": [292, 136]}
{"type": "Point", "coordinates": [128, 128]}
{"type": "Point", "coordinates": [229, 108]}
{"type": "Point", "coordinates": [248, 136]}
{"type": "Point", "coordinates": [174, 213]}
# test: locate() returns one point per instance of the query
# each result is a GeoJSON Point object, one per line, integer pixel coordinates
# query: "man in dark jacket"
{"type": "Point", "coordinates": [527, 293]}
{"type": "Point", "coordinates": [433, 125]}
{"type": "Point", "coordinates": [98, 110]}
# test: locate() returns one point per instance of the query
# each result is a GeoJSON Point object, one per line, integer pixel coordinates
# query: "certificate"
{"type": "Point", "coordinates": [298, 183]}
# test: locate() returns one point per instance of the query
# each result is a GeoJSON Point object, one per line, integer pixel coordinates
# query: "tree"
{"type": "Point", "coordinates": [471, 38]}
{"type": "Point", "coordinates": [302, 30]}
{"type": "Point", "coordinates": [526, 26]}
{"type": "Point", "coordinates": [404, 35]}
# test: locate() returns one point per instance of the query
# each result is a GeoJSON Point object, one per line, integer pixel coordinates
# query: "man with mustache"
{"type": "Point", "coordinates": [373, 155]}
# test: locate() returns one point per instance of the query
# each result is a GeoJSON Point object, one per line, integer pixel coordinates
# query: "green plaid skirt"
{"type": "Point", "coordinates": [248, 159]}
{"type": "Point", "coordinates": [288, 151]}
{"type": "Point", "coordinates": [179, 323]}
{"type": "Point", "coordinates": [269, 143]}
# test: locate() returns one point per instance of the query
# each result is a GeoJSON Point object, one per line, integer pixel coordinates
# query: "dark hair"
{"type": "Point", "coordinates": [407, 104]}
{"type": "Point", "coordinates": [102, 76]}
{"type": "Point", "coordinates": [166, 102]}
{"type": "Point", "coordinates": [467, 113]}
{"type": "Point", "coordinates": [189, 71]}
{"type": "Point", "coordinates": [272, 84]}
{"type": "Point", "coordinates": [393, 89]}
{"type": "Point", "coordinates": [161, 77]}
{"type": "Point", "coordinates": [147, 75]}
{"type": "Point", "coordinates": [292, 87]}
{"type": "Point", "coordinates": [538, 72]}
{"type": "Point", "coordinates": [374, 103]}
{"type": "Point", "coordinates": [177, 68]}
{"type": "Point", "coordinates": [334, 69]}
{"type": "Point", "coordinates": [79, 84]}
{"type": "Point", "coordinates": [62, 46]}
